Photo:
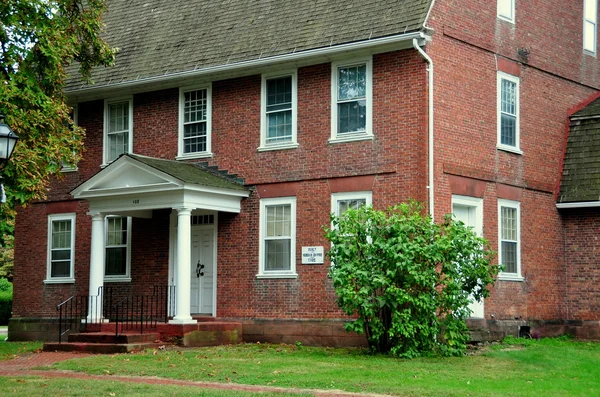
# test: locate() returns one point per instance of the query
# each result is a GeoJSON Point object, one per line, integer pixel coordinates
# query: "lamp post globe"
{"type": "Point", "coordinates": [8, 140]}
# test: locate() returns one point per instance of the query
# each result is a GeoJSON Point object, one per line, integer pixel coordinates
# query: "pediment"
{"type": "Point", "coordinates": [124, 176]}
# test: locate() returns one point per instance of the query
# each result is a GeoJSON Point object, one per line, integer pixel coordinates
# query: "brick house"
{"type": "Point", "coordinates": [227, 132]}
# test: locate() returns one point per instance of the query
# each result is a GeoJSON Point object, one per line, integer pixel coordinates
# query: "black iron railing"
{"type": "Point", "coordinates": [130, 313]}
{"type": "Point", "coordinates": [77, 312]}
{"type": "Point", "coordinates": [139, 313]}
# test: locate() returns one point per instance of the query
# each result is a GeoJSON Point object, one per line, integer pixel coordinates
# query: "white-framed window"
{"type": "Point", "coordinates": [75, 116]}
{"type": "Point", "coordinates": [61, 248]}
{"type": "Point", "coordinates": [118, 128]}
{"type": "Point", "coordinates": [195, 110]}
{"type": "Point", "coordinates": [590, 20]}
{"type": "Point", "coordinates": [341, 202]}
{"type": "Point", "coordinates": [277, 250]}
{"type": "Point", "coordinates": [508, 113]}
{"type": "Point", "coordinates": [351, 100]}
{"type": "Point", "coordinates": [278, 111]}
{"type": "Point", "coordinates": [509, 239]}
{"type": "Point", "coordinates": [117, 257]}
{"type": "Point", "coordinates": [506, 10]}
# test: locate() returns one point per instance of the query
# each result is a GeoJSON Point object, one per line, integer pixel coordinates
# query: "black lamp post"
{"type": "Point", "coordinates": [8, 140]}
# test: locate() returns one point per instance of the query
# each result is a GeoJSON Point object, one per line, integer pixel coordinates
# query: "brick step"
{"type": "Point", "coordinates": [109, 337]}
{"type": "Point", "coordinates": [100, 348]}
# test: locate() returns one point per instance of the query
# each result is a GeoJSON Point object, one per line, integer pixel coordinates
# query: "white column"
{"type": "Point", "coordinates": [183, 268]}
{"type": "Point", "coordinates": [96, 268]}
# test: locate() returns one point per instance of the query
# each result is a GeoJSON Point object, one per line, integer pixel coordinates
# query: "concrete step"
{"type": "Point", "coordinates": [100, 348]}
{"type": "Point", "coordinates": [109, 337]}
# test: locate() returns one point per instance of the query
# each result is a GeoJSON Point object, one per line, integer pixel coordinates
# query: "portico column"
{"type": "Point", "coordinates": [96, 268]}
{"type": "Point", "coordinates": [183, 268]}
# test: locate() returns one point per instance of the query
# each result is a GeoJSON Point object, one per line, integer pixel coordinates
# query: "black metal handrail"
{"type": "Point", "coordinates": [138, 313]}
{"type": "Point", "coordinates": [71, 312]}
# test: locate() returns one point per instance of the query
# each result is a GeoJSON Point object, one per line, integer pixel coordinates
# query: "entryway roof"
{"type": "Point", "coordinates": [134, 185]}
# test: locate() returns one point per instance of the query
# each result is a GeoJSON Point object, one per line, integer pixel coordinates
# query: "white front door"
{"type": "Point", "coordinates": [203, 265]}
{"type": "Point", "coordinates": [469, 210]}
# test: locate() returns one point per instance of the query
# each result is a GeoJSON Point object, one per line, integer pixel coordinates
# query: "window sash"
{"type": "Point", "coordinates": [61, 235]}
{"type": "Point", "coordinates": [195, 121]}
{"type": "Point", "coordinates": [351, 98]}
{"type": "Point", "coordinates": [506, 9]}
{"type": "Point", "coordinates": [509, 239]}
{"type": "Point", "coordinates": [277, 234]}
{"type": "Point", "coordinates": [508, 111]}
{"type": "Point", "coordinates": [278, 109]}
{"type": "Point", "coordinates": [116, 247]}
{"type": "Point", "coordinates": [118, 129]}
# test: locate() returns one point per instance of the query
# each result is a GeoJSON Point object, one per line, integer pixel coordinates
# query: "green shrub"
{"type": "Point", "coordinates": [407, 279]}
{"type": "Point", "coordinates": [6, 293]}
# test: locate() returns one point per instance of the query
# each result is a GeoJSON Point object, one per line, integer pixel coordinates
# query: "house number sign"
{"type": "Point", "coordinates": [312, 255]}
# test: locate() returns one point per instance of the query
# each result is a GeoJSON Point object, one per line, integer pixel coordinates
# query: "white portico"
{"type": "Point", "coordinates": [134, 186]}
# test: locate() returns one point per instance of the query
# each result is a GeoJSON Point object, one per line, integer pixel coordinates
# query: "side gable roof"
{"type": "Point", "coordinates": [581, 173]}
{"type": "Point", "coordinates": [158, 38]}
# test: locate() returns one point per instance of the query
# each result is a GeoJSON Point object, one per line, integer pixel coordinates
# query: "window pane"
{"type": "Point", "coordinates": [61, 234]}
{"type": "Point", "coordinates": [345, 205]}
{"type": "Point", "coordinates": [194, 137]}
{"type": "Point", "coordinates": [279, 126]}
{"type": "Point", "coordinates": [117, 145]}
{"type": "Point", "coordinates": [509, 223]}
{"type": "Point", "coordinates": [60, 269]}
{"type": "Point", "coordinates": [277, 254]}
{"type": "Point", "coordinates": [279, 93]}
{"type": "Point", "coordinates": [590, 10]}
{"type": "Point", "coordinates": [508, 130]}
{"type": "Point", "coordinates": [509, 256]}
{"type": "Point", "coordinates": [116, 261]}
{"type": "Point", "coordinates": [352, 82]}
{"type": "Point", "coordinates": [509, 97]}
{"type": "Point", "coordinates": [118, 116]}
{"type": "Point", "coordinates": [116, 231]}
{"type": "Point", "coordinates": [278, 220]}
{"type": "Point", "coordinates": [589, 36]}
{"type": "Point", "coordinates": [352, 116]}
{"type": "Point", "coordinates": [195, 106]}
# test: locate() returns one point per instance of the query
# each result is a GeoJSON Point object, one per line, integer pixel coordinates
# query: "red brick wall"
{"type": "Point", "coordinates": [582, 246]}
{"type": "Point", "coordinates": [393, 163]}
{"type": "Point", "coordinates": [469, 46]}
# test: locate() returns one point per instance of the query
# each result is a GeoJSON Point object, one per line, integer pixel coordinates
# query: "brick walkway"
{"type": "Point", "coordinates": [22, 366]}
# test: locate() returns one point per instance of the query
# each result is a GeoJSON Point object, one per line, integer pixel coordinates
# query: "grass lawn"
{"type": "Point", "coordinates": [37, 386]}
{"type": "Point", "coordinates": [9, 349]}
{"type": "Point", "coordinates": [550, 367]}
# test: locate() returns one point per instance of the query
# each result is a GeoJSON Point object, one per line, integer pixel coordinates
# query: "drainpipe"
{"type": "Point", "coordinates": [430, 126]}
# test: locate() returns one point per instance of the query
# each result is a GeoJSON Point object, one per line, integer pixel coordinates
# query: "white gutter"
{"type": "Point", "coordinates": [296, 56]}
{"type": "Point", "coordinates": [582, 204]}
{"type": "Point", "coordinates": [430, 125]}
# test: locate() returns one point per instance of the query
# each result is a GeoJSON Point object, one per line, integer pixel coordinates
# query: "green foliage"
{"type": "Point", "coordinates": [407, 279]}
{"type": "Point", "coordinates": [7, 249]}
{"type": "Point", "coordinates": [39, 39]}
{"type": "Point", "coordinates": [6, 293]}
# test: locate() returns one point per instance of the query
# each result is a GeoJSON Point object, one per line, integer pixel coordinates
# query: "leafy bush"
{"type": "Point", "coordinates": [6, 292]}
{"type": "Point", "coordinates": [407, 279]}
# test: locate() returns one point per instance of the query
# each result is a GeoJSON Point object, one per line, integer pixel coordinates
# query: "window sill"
{"type": "Point", "coordinates": [276, 275]}
{"type": "Point", "coordinates": [281, 146]}
{"type": "Point", "coordinates": [510, 149]}
{"type": "Point", "coordinates": [510, 277]}
{"type": "Point", "coordinates": [66, 170]}
{"type": "Point", "coordinates": [352, 137]}
{"type": "Point", "coordinates": [60, 281]}
{"type": "Point", "coordinates": [192, 156]}
{"type": "Point", "coordinates": [117, 279]}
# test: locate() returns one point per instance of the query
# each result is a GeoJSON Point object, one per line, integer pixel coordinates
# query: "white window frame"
{"type": "Point", "coordinates": [593, 23]}
{"type": "Point", "coordinates": [517, 148]}
{"type": "Point", "coordinates": [71, 278]}
{"type": "Point", "coordinates": [517, 206]}
{"type": "Point", "coordinates": [352, 136]}
{"type": "Point", "coordinates": [127, 276]}
{"type": "Point", "coordinates": [264, 203]}
{"type": "Point", "coordinates": [180, 147]}
{"type": "Point", "coordinates": [337, 197]}
{"type": "Point", "coordinates": [65, 167]}
{"type": "Point", "coordinates": [502, 15]}
{"type": "Point", "coordinates": [129, 100]}
{"type": "Point", "coordinates": [293, 143]}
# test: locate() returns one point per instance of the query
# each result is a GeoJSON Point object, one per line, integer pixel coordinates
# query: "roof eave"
{"type": "Point", "coordinates": [579, 204]}
{"type": "Point", "coordinates": [314, 56]}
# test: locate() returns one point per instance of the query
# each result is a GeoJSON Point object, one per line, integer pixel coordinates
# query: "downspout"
{"type": "Point", "coordinates": [430, 126]}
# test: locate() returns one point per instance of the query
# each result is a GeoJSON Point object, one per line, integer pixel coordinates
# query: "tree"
{"type": "Point", "coordinates": [39, 39]}
{"type": "Point", "coordinates": [406, 279]}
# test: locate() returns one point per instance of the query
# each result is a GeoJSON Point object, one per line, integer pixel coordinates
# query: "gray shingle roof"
{"type": "Point", "coordinates": [158, 38]}
{"type": "Point", "coordinates": [198, 174]}
{"type": "Point", "coordinates": [581, 174]}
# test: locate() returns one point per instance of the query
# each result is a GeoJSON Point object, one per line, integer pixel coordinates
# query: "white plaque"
{"type": "Point", "coordinates": [312, 255]}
